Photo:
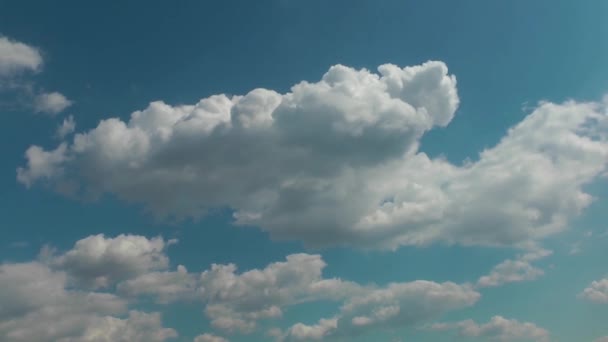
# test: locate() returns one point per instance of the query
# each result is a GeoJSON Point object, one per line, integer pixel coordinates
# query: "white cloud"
{"type": "Point", "coordinates": [51, 103]}
{"type": "Point", "coordinates": [42, 164]}
{"type": "Point", "coordinates": [597, 292]}
{"type": "Point", "coordinates": [39, 303]}
{"type": "Point", "coordinates": [601, 339]}
{"type": "Point", "coordinates": [396, 305]}
{"type": "Point", "coordinates": [37, 307]}
{"type": "Point", "coordinates": [314, 332]}
{"type": "Point", "coordinates": [497, 329]}
{"type": "Point", "coordinates": [97, 261]}
{"type": "Point", "coordinates": [336, 162]}
{"type": "Point", "coordinates": [16, 57]}
{"type": "Point", "coordinates": [236, 301]}
{"type": "Point", "coordinates": [517, 270]}
{"type": "Point", "coordinates": [164, 287]}
{"type": "Point", "coordinates": [209, 338]}
{"type": "Point", "coordinates": [67, 127]}
{"type": "Point", "coordinates": [137, 327]}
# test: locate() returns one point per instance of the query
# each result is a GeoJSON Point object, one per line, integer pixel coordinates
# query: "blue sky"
{"type": "Point", "coordinates": [355, 170]}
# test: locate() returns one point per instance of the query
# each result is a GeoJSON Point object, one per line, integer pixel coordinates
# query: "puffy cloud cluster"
{"type": "Point", "coordinates": [58, 295]}
{"type": "Point", "coordinates": [396, 305]}
{"type": "Point", "coordinates": [336, 162]}
{"type": "Point", "coordinates": [597, 291]}
{"type": "Point", "coordinates": [38, 304]}
{"type": "Point", "coordinates": [17, 60]}
{"type": "Point", "coordinates": [497, 329]}
{"type": "Point", "coordinates": [97, 261]}
{"type": "Point", "coordinates": [517, 270]}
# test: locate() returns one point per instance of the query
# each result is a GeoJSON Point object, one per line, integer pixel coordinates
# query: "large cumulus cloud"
{"type": "Point", "coordinates": [336, 162]}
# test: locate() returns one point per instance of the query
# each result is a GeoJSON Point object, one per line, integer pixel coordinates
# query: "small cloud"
{"type": "Point", "coordinates": [16, 57]}
{"type": "Point", "coordinates": [67, 127]}
{"type": "Point", "coordinates": [51, 103]}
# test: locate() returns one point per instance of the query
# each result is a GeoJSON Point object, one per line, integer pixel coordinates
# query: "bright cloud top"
{"type": "Point", "coordinates": [336, 162]}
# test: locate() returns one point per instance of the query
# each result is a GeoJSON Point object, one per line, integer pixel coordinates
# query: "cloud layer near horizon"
{"type": "Point", "coordinates": [92, 291]}
{"type": "Point", "coordinates": [336, 162]}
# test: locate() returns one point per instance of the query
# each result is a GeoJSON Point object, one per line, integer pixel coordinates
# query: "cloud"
{"type": "Point", "coordinates": [98, 262]}
{"type": "Point", "coordinates": [209, 338]}
{"type": "Point", "coordinates": [497, 329]}
{"type": "Point", "coordinates": [517, 270]}
{"type": "Point", "coordinates": [397, 305]}
{"type": "Point", "coordinates": [16, 57]}
{"type": "Point", "coordinates": [597, 292]}
{"type": "Point", "coordinates": [67, 127]}
{"type": "Point", "coordinates": [137, 327]}
{"type": "Point", "coordinates": [336, 162]}
{"type": "Point", "coordinates": [601, 339]}
{"type": "Point", "coordinates": [59, 294]}
{"type": "Point", "coordinates": [236, 301]}
{"type": "Point", "coordinates": [51, 299]}
{"type": "Point", "coordinates": [164, 287]}
{"type": "Point", "coordinates": [42, 164]}
{"type": "Point", "coordinates": [51, 103]}
{"type": "Point", "coordinates": [316, 332]}
{"type": "Point", "coordinates": [38, 304]}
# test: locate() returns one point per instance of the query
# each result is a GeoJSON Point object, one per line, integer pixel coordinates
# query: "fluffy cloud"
{"type": "Point", "coordinates": [16, 57]}
{"type": "Point", "coordinates": [51, 103]}
{"type": "Point", "coordinates": [516, 270]}
{"type": "Point", "coordinates": [209, 338]}
{"type": "Point", "coordinates": [39, 305]}
{"type": "Point", "coordinates": [164, 286]}
{"type": "Point", "coordinates": [396, 305]}
{"type": "Point", "coordinates": [67, 127]}
{"type": "Point", "coordinates": [336, 162]}
{"type": "Point", "coordinates": [97, 261]}
{"type": "Point", "coordinates": [497, 329]}
{"type": "Point", "coordinates": [137, 327]}
{"type": "Point", "coordinates": [601, 339]}
{"type": "Point", "coordinates": [236, 301]}
{"type": "Point", "coordinates": [316, 332]}
{"type": "Point", "coordinates": [597, 292]}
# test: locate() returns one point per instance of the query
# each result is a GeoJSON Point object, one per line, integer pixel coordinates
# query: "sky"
{"type": "Point", "coordinates": [284, 170]}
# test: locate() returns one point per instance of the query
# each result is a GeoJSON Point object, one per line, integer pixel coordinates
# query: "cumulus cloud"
{"type": "Point", "coordinates": [336, 162]}
{"type": "Point", "coordinates": [597, 292]}
{"type": "Point", "coordinates": [67, 127]}
{"type": "Point", "coordinates": [97, 261]}
{"type": "Point", "coordinates": [59, 295]}
{"type": "Point", "coordinates": [517, 270]}
{"type": "Point", "coordinates": [397, 305]}
{"type": "Point", "coordinates": [209, 338]}
{"type": "Point", "coordinates": [497, 329]}
{"type": "Point", "coordinates": [236, 301]}
{"type": "Point", "coordinates": [38, 304]}
{"type": "Point", "coordinates": [164, 287]}
{"type": "Point", "coordinates": [51, 103]}
{"type": "Point", "coordinates": [137, 327]}
{"type": "Point", "coordinates": [16, 57]}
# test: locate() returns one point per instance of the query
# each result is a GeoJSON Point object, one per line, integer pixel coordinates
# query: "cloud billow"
{"type": "Point", "coordinates": [337, 162]}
